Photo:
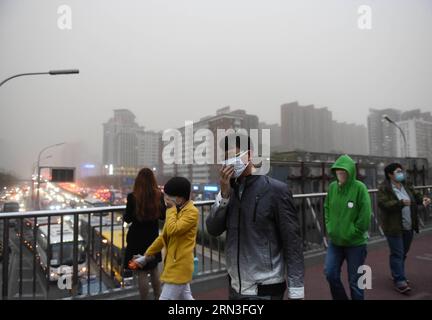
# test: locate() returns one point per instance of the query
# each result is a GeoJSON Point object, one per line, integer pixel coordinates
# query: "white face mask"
{"type": "Point", "coordinates": [239, 165]}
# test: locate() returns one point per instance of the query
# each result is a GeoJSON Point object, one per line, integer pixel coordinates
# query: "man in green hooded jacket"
{"type": "Point", "coordinates": [347, 210]}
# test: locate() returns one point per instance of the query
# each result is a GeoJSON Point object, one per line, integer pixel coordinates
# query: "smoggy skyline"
{"type": "Point", "coordinates": [171, 61]}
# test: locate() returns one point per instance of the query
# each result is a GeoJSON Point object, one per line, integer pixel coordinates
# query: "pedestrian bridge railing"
{"type": "Point", "coordinates": [79, 253]}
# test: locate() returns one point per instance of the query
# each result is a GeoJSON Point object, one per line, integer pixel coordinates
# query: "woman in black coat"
{"type": "Point", "coordinates": [145, 207]}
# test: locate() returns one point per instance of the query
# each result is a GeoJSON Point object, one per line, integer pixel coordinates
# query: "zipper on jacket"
{"type": "Point", "coordinates": [255, 208]}
{"type": "Point", "coordinates": [238, 250]}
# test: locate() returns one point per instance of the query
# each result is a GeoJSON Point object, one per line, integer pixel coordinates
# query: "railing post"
{"type": "Point", "coordinates": [99, 252]}
{"type": "Point", "coordinates": [21, 231]}
{"type": "Point", "coordinates": [48, 264]}
{"type": "Point", "coordinates": [89, 246]}
{"type": "Point", "coordinates": [317, 224]}
{"type": "Point", "coordinates": [35, 226]}
{"type": "Point", "coordinates": [61, 240]}
{"type": "Point", "coordinates": [5, 293]}
{"type": "Point", "coordinates": [111, 249]}
{"type": "Point", "coordinates": [124, 263]}
{"type": "Point", "coordinates": [202, 240]}
{"type": "Point", "coordinates": [75, 256]}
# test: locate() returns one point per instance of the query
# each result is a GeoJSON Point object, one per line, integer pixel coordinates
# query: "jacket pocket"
{"type": "Point", "coordinates": [351, 235]}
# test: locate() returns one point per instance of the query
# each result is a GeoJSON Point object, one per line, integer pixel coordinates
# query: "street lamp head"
{"type": "Point", "coordinates": [65, 71]}
{"type": "Point", "coordinates": [387, 118]}
{"type": "Point", "coordinates": [51, 72]}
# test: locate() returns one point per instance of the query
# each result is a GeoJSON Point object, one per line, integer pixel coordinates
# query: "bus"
{"type": "Point", "coordinates": [27, 237]}
{"type": "Point", "coordinates": [99, 244]}
{"type": "Point", "coordinates": [57, 255]}
{"type": "Point", "coordinates": [95, 220]}
{"type": "Point", "coordinates": [109, 255]}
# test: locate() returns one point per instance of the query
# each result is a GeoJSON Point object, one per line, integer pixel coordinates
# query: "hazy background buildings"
{"type": "Point", "coordinates": [128, 147]}
{"type": "Point", "coordinates": [386, 140]}
{"type": "Point", "coordinates": [170, 61]}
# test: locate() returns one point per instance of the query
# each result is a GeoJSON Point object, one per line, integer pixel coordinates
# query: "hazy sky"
{"type": "Point", "coordinates": [170, 61]}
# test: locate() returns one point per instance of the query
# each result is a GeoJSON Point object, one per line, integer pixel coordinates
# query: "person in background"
{"type": "Point", "coordinates": [348, 211]}
{"type": "Point", "coordinates": [398, 202]}
{"type": "Point", "coordinates": [144, 208]}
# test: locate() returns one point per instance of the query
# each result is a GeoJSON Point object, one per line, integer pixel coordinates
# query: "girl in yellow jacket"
{"type": "Point", "coordinates": [178, 237]}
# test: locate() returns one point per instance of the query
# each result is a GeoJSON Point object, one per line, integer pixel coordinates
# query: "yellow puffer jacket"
{"type": "Point", "coordinates": [179, 238]}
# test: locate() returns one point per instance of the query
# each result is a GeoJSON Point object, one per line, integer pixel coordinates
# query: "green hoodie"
{"type": "Point", "coordinates": [347, 208]}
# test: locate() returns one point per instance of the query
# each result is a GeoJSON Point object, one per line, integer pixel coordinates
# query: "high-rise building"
{"type": "Point", "coordinates": [418, 133]}
{"type": "Point", "coordinates": [382, 134]}
{"type": "Point", "coordinates": [120, 142]}
{"type": "Point", "coordinates": [350, 138]}
{"type": "Point", "coordinates": [306, 128]}
{"type": "Point", "coordinates": [275, 135]}
{"type": "Point", "coordinates": [209, 173]}
{"type": "Point", "coordinates": [385, 138]}
{"type": "Point", "coordinates": [416, 114]}
{"type": "Point", "coordinates": [149, 149]}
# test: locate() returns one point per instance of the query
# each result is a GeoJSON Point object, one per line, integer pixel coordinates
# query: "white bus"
{"type": "Point", "coordinates": [59, 262]}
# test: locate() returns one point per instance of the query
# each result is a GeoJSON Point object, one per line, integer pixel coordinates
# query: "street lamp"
{"type": "Point", "coordinates": [401, 131]}
{"type": "Point", "coordinates": [38, 167]}
{"type": "Point", "coordinates": [35, 163]}
{"type": "Point", "coordinates": [33, 180]}
{"type": "Point", "coordinates": [51, 72]}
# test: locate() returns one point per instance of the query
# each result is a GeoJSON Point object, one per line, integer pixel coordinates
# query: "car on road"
{"type": "Point", "coordinates": [11, 206]}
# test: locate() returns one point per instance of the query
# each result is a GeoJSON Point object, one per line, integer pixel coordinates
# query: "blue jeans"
{"type": "Point", "coordinates": [399, 247]}
{"type": "Point", "coordinates": [355, 257]}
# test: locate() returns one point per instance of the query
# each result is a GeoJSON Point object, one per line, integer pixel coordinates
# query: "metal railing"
{"type": "Point", "coordinates": [312, 220]}
{"type": "Point", "coordinates": [71, 253]}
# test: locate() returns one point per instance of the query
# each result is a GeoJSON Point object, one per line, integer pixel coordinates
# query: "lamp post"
{"type": "Point", "coordinates": [32, 203]}
{"type": "Point", "coordinates": [51, 72]}
{"type": "Point", "coordinates": [401, 131]}
{"type": "Point", "coordinates": [38, 171]}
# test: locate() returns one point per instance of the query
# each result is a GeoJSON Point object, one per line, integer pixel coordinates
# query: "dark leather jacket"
{"type": "Point", "coordinates": [263, 239]}
{"type": "Point", "coordinates": [391, 208]}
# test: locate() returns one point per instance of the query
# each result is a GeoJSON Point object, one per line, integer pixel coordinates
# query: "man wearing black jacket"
{"type": "Point", "coordinates": [264, 247]}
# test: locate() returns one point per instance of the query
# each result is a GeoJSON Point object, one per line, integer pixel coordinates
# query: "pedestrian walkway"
{"type": "Point", "coordinates": [418, 271]}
